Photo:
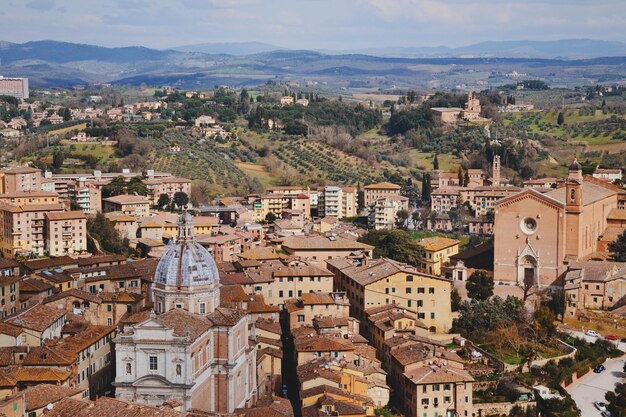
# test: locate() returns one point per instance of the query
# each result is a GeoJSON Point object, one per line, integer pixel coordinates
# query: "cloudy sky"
{"type": "Point", "coordinates": [310, 24]}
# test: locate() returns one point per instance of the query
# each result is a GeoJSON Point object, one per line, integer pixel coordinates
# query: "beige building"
{"type": "Point", "coordinates": [383, 213]}
{"type": "Point", "coordinates": [320, 248]}
{"type": "Point", "coordinates": [20, 179]}
{"type": "Point", "coordinates": [302, 310]}
{"type": "Point", "coordinates": [438, 251]}
{"type": "Point", "coordinates": [596, 285]}
{"type": "Point", "coordinates": [66, 233]}
{"type": "Point", "coordinates": [373, 192]}
{"type": "Point", "coordinates": [134, 205]}
{"type": "Point", "coordinates": [538, 235]}
{"type": "Point", "coordinates": [337, 201]}
{"type": "Point", "coordinates": [378, 282]}
{"type": "Point", "coordinates": [168, 186]}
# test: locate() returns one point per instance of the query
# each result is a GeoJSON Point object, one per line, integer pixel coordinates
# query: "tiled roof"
{"type": "Point", "coordinates": [617, 214]}
{"type": "Point", "coordinates": [322, 242]}
{"type": "Point", "coordinates": [273, 407]}
{"type": "Point", "coordinates": [36, 374]}
{"type": "Point", "coordinates": [301, 271]}
{"type": "Point", "coordinates": [232, 294]}
{"type": "Point", "coordinates": [225, 316]}
{"type": "Point", "coordinates": [8, 263]}
{"type": "Point", "coordinates": [437, 243]}
{"type": "Point", "coordinates": [110, 407]}
{"type": "Point", "coordinates": [268, 325]}
{"type": "Point", "coordinates": [95, 260]}
{"type": "Point", "coordinates": [34, 285]}
{"type": "Point", "coordinates": [318, 343]}
{"type": "Point", "coordinates": [8, 329]}
{"type": "Point", "coordinates": [66, 215]}
{"type": "Point", "coordinates": [375, 270]}
{"type": "Point", "coordinates": [184, 323]}
{"type": "Point", "coordinates": [37, 318]}
{"type": "Point", "coordinates": [39, 396]}
{"type": "Point", "coordinates": [591, 193]}
{"type": "Point", "coordinates": [382, 185]}
{"type": "Point", "coordinates": [127, 199]}
{"type": "Point", "coordinates": [74, 292]}
{"type": "Point", "coordinates": [39, 264]}
{"type": "Point", "coordinates": [434, 374]}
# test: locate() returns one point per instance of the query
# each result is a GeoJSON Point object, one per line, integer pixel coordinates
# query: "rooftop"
{"type": "Point", "coordinates": [437, 243]}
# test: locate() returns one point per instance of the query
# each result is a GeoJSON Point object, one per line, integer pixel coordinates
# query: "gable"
{"type": "Point", "coordinates": [526, 195]}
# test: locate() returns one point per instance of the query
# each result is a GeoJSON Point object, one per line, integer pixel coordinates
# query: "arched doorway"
{"type": "Point", "coordinates": [527, 271]}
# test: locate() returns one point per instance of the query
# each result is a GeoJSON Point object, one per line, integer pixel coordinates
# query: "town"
{"type": "Point", "coordinates": [291, 248]}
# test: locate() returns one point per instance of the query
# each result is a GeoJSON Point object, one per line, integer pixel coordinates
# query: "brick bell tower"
{"type": "Point", "coordinates": [573, 210]}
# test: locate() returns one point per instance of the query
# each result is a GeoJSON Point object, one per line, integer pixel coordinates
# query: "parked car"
{"type": "Point", "coordinates": [611, 337]}
{"type": "Point", "coordinates": [600, 405]}
{"type": "Point", "coordinates": [592, 333]}
{"type": "Point", "coordinates": [599, 369]}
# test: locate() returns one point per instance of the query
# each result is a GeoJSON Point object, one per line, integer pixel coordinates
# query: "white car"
{"type": "Point", "coordinates": [600, 405]}
{"type": "Point", "coordinates": [592, 333]}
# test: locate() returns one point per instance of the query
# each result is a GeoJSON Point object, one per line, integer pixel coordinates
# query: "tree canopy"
{"type": "Point", "coordinates": [618, 248]}
{"type": "Point", "coordinates": [394, 244]}
{"type": "Point", "coordinates": [479, 286]}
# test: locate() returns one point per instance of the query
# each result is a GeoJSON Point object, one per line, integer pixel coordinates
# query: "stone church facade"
{"type": "Point", "coordinates": [189, 350]}
{"type": "Point", "coordinates": [538, 235]}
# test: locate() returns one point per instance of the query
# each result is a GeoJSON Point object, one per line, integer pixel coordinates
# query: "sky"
{"type": "Point", "coordinates": [310, 24]}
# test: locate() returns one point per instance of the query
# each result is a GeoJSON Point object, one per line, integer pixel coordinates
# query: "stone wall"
{"type": "Point", "coordinates": [495, 409]}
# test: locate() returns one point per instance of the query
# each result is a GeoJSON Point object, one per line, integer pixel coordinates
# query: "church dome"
{"type": "Point", "coordinates": [186, 263]}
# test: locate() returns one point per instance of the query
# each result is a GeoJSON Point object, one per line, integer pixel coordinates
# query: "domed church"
{"type": "Point", "coordinates": [189, 349]}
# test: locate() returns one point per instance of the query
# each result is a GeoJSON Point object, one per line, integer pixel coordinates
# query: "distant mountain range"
{"type": "Point", "coordinates": [232, 48]}
{"type": "Point", "coordinates": [51, 63]}
{"type": "Point", "coordinates": [562, 49]}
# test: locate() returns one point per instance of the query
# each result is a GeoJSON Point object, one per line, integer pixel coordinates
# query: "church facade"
{"type": "Point", "coordinates": [189, 350]}
{"type": "Point", "coordinates": [538, 235]}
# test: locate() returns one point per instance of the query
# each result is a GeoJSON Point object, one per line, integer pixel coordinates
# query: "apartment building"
{"type": "Point", "coordinates": [337, 201]}
{"type": "Point", "coordinates": [320, 248]}
{"type": "Point", "coordinates": [38, 324]}
{"type": "Point", "coordinates": [133, 205]}
{"type": "Point", "coordinates": [384, 211]}
{"type": "Point", "coordinates": [20, 179]}
{"type": "Point", "coordinates": [89, 198]}
{"type": "Point", "coordinates": [302, 310]}
{"type": "Point", "coordinates": [444, 198]}
{"type": "Point", "coordinates": [23, 228]}
{"type": "Point", "coordinates": [168, 186]}
{"type": "Point", "coordinates": [9, 293]}
{"type": "Point", "coordinates": [66, 233]}
{"type": "Point", "coordinates": [373, 192]}
{"type": "Point", "coordinates": [14, 87]}
{"type": "Point", "coordinates": [378, 282]}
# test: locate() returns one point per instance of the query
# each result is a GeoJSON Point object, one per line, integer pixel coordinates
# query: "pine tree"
{"type": "Point", "coordinates": [436, 162]}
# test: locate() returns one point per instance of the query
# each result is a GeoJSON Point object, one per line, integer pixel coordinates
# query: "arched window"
{"type": "Point", "coordinates": [572, 195]}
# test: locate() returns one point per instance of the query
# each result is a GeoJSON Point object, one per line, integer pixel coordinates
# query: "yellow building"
{"type": "Point", "coordinates": [438, 251]}
{"type": "Point", "coordinates": [373, 192]}
{"type": "Point", "coordinates": [377, 282]}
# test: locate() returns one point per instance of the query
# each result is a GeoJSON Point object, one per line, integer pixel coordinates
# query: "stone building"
{"type": "Point", "coordinates": [190, 350]}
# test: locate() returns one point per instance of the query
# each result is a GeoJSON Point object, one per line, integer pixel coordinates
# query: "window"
{"type": "Point", "coordinates": [420, 303]}
{"type": "Point", "coordinates": [408, 290]}
{"type": "Point", "coordinates": [153, 363]}
{"type": "Point", "coordinates": [421, 315]}
{"type": "Point", "coordinates": [121, 284]}
{"type": "Point", "coordinates": [432, 315]}
{"type": "Point", "coordinates": [386, 290]}
{"type": "Point", "coordinates": [409, 278]}
{"type": "Point", "coordinates": [280, 294]}
{"type": "Point", "coordinates": [109, 321]}
{"type": "Point", "coordinates": [431, 291]}
{"type": "Point", "coordinates": [109, 307]}
{"type": "Point", "coordinates": [300, 318]}
{"type": "Point", "coordinates": [420, 290]}
{"type": "Point", "coordinates": [435, 387]}
{"type": "Point", "coordinates": [202, 308]}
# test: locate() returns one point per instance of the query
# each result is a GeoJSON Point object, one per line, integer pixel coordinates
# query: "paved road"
{"type": "Point", "coordinates": [594, 386]}
{"type": "Point", "coordinates": [590, 339]}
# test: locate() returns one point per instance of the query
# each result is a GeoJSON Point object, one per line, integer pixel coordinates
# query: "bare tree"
{"type": "Point", "coordinates": [527, 285]}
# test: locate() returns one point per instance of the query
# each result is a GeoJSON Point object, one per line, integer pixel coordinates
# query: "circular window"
{"type": "Point", "coordinates": [529, 225]}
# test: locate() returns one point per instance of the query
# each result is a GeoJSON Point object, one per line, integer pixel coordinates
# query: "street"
{"type": "Point", "coordinates": [594, 386]}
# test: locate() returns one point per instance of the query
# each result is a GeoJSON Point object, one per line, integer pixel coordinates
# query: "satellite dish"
{"type": "Point", "coordinates": [50, 406]}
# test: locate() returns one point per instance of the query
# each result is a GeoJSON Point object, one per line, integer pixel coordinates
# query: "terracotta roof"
{"type": "Point", "coordinates": [127, 199]}
{"type": "Point", "coordinates": [184, 323]}
{"type": "Point", "coordinates": [322, 242]}
{"type": "Point", "coordinates": [39, 396]}
{"type": "Point", "coordinates": [32, 374]}
{"type": "Point", "coordinates": [437, 243]}
{"type": "Point", "coordinates": [110, 407]}
{"type": "Point", "coordinates": [591, 192]}
{"type": "Point", "coordinates": [54, 276]}
{"type": "Point", "coordinates": [273, 407]}
{"type": "Point", "coordinates": [73, 292]}
{"type": "Point", "coordinates": [383, 185]}
{"type": "Point", "coordinates": [21, 170]}
{"type": "Point", "coordinates": [8, 329]}
{"type": "Point", "coordinates": [260, 253]}
{"type": "Point", "coordinates": [617, 214]}
{"type": "Point", "coordinates": [37, 318]}
{"type": "Point", "coordinates": [376, 269]}
{"type": "Point", "coordinates": [34, 285]}
{"type": "Point", "coordinates": [316, 298]}
{"type": "Point", "coordinates": [301, 271]}
{"type": "Point", "coordinates": [8, 263]}
{"type": "Point", "coordinates": [268, 325]}
{"type": "Point", "coordinates": [225, 316]}
{"type": "Point", "coordinates": [120, 297]}
{"type": "Point", "coordinates": [46, 263]}
{"type": "Point", "coordinates": [317, 343]}
{"type": "Point", "coordinates": [434, 374]}
{"type": "Point", "coordinates": [66, 215]}
{"type": "Point", "coordinates": [95, 260]}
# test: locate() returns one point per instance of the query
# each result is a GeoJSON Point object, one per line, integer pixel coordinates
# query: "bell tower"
{"type": "Point", "coordinates": [573, 210]}
{"type": "Point", "coordinates": [495, 172]}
